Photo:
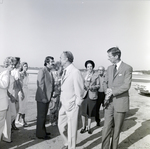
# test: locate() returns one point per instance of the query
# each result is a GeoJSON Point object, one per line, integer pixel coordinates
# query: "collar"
{"type": "Point", "coordinates": [47, 68]}
{"type": "Point", "coordinates": [90, 73]}
{"type": "Point", "coordinates": [68, 67]}
{"type": "Point", "coordinates": [118, 64]}
{"type": "Point", "coordinates": [102, 76]}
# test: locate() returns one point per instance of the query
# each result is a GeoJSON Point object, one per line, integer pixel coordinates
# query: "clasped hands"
{"type": "Point", "coordinates": [89, 88]}
{"type": "Point", "coordinates": [108, 94]}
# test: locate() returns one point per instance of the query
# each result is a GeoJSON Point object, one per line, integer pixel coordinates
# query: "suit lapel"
{"type": "Point", "coordinates": [120, 68]}
{"type": "Point", "coordinates": [49, 75]}
{"type": "Point", "coordinates": [67, 74]}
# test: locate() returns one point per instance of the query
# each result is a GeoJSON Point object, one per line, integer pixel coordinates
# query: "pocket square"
{"type": "Point", "coordinates": [120, 74]}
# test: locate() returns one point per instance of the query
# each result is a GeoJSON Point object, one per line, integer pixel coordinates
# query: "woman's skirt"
{"type": "Point", "coordinates": [88, 107]}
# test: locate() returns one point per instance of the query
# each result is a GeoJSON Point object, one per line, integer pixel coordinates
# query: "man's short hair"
{"type": "Point", "coordinates": [103, 68]}
{"type": "Point", "coordinates": [47, 60]}
{"type": "Point", "coordinates": [115, 51]}
{"type": "Point", "coordinates": [69, 55]}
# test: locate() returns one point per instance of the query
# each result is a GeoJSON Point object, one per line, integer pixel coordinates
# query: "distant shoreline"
{"type": "Point", "coordinates": [141, 80]}
{"type": "Point", "coordinates": [136, 78]}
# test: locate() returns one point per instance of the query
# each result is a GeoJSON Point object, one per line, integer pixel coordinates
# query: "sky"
{"type": "Point", "coordinates": [34, 29]}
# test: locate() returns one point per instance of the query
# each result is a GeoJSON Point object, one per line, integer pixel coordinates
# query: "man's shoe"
{"type": "Point", "coordinates": [64, 147]}
{"type": "Point", "coordinates": [47, 137]}
{"type": "Point", "coordinates": [98, 124]}
{"type": "Point", "coordinates": [44, 138]}
{"type": "Point", "coordinates": [48, 133]}
{"type": "Point", "coordinates": [14, 127]}
{"type": "Point", "coordinates": [7, 141]}
{"type": "Point", "coordinates": [89, 131]}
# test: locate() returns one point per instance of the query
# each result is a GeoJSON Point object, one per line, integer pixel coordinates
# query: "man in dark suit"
{"type": "Point", "coordinates": [118, 81]}
{"type": "Point", "coordinates": [45, 86]}
{"type": "Point", "coordinates": [101, 93]}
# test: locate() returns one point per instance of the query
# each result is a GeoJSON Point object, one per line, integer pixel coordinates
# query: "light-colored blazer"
{"type": "Point", "coordinates": [94, 83]}
{"type": "Point", "coordinates": [4, 84]}
{"type": "Point", "coordinates": [120, 85]}
{"type": "Point", "coordinates": [45, 86]}
{"type": "Point", "coordinates": [71, 88]}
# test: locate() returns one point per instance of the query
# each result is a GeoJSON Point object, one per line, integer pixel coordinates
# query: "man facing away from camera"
{"type": "Point", "coordinates": [71, 99]}
{"type": "Point", "coordinates": [118, 81]}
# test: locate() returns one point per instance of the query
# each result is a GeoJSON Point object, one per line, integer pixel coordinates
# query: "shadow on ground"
{"type": "Point", "coordinates": [138, 134]}
{"type": "Point", "coordinates": [26, 137]}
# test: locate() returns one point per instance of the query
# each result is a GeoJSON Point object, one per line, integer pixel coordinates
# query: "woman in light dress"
{"type": "Point", "coordinates": [24, 79]}
{"type": "Point", "coordinates": [6, 98]}
{"type": "Point", "coordinates": [16, 89]}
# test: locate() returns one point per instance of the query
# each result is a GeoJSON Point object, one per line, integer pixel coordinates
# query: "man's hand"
{"type": "Point", "coordinates": [86, 88]}
{"type": "Point", "coordinates": [107, 97]}
{"type": "Point", "coordinates": [44, 100]}
{"type": "Point", "coordinates": [13, 99]}
{"type": "Point", "coordinates": [106, 103]}
{"type": "Point", "coordinates": [21, 95]}
{"type": "Point", "coordinates": [108, 91]}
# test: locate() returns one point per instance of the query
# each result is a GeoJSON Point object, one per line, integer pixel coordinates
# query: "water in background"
{"type": "Point", "coordinates": [141, 78]}
{"type": "Point", "coordinates": [136, 77]}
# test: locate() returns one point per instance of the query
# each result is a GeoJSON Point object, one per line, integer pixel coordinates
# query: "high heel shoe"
{"type": "Point", "coordinates": [83, 130]}
{"type": "Point", "coordinates": [14, 126]}
{"type": "Point", "coordinates": [89, 131]}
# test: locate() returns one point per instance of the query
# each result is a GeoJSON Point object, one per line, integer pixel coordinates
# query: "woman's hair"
{"type": "Point", "coordinates": [22, 64]}
{"type": "Point", "coordinates": [8, 61]}
{"type": "Point", "coordinates": [89, 62]}
{"type": "Point", "coordinates": [47, 60]}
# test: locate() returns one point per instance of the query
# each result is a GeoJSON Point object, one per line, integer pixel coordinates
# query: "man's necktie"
{"type": "Point", "coordinates": [115, 69]}
{"type": "Point", "coordinates": [63, 75]}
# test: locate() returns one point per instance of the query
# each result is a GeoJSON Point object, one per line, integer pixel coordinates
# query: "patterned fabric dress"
{"type": "Point", "coordinates": [55, 100]}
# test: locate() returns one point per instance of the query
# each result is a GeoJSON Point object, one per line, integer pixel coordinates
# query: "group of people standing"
{"type": "Point", "coordinates": [73, 90]}
{"type": "Point", "coordinates": [67, 92]}
{"type": "Point", "coordinates": [13, 96]}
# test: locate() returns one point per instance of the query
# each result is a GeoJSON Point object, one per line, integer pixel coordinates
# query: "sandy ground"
{"type": "Point", "coordinates": [135, 133]}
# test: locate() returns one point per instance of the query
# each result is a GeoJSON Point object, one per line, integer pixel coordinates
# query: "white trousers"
{"type": "Point", "coordinates": [2, 121]}
{"type": "Point", "coordinates": [7, 128]}
{"type": "Point", "coordinates": [13, 111]}
{"type": "Point", "coordinates": [70, 119]}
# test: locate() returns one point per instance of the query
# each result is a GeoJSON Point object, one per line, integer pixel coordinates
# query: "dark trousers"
{"type": "Point", "coordinates": [42, 109]}
{"type": "Point", "coordinates": [100, 100]}
{"type": "Point", "coordinates": [112, 127]}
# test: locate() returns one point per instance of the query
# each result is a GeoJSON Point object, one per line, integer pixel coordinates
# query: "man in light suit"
{"type": "Point", "coordinates": [45, 87]}
{"type": "Point", "coordinates": [118, 80]}
{"type": "Point", "coordinates": [71, 99]}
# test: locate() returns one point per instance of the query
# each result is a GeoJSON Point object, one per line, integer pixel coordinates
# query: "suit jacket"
{"type": "Point", "coordinates": [4, 84]}
{"type": "Point", "coordinates": [94, 83]}
{"type": "Point", "coordinates": [71, 88]}
{"type": "Point", "coordinates": [120, 84]}
{"type": "Point", "coordinates": [45, 86]}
